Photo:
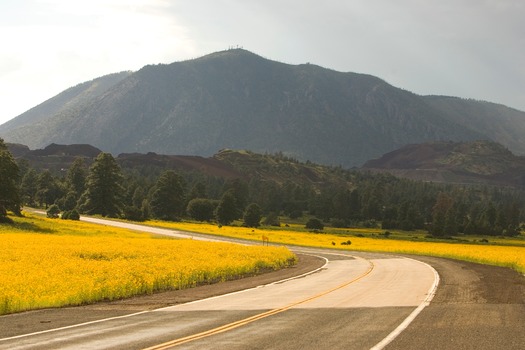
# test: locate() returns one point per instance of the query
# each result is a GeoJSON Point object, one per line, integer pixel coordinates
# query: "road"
{"type": "Point", "coordinates": [355, 301]}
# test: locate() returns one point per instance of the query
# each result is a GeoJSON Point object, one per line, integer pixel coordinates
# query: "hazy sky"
{"type": "Point", "coordinates": [466, 48]}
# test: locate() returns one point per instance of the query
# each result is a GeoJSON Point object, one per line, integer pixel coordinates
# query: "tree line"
{"type": "Point", "coordinates": [361, 199]}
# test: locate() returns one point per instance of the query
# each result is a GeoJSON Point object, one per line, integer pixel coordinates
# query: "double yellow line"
{"type": "Point", "coordinates": [233, 325]}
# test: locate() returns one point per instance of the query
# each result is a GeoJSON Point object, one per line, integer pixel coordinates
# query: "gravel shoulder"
{"type": "Point", "coordinates": [475, 307]}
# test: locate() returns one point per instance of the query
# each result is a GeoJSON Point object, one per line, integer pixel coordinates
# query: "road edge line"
{"type": "Point", "coordinates": [410, 318]}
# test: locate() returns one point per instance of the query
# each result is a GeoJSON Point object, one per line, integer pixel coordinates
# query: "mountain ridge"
{"type": "Point", "coordinates": [236, 99]}
{"type": "Point", "coordinates": [476, 162]}
{"type": "Point", "coordinates": [454, 162]}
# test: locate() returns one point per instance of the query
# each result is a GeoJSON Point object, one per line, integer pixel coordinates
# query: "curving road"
{"type": "Point", "coordinates": [354, 301]}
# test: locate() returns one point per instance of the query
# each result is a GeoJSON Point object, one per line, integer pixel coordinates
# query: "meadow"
{"type": "Point", "coordinates": [52, 263]}
{"type": "Point", "coordinates": [506, 252]}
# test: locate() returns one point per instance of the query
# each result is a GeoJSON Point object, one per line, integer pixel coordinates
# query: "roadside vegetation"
{"type": "Point", "coordinates": [289, 202]}
{"type": "Point", "coordinates": [498, 251]}
{"type": "Point", "coordinates": [51, 263]}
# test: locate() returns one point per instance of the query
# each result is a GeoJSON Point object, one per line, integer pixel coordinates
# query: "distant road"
{"type": "Point", "coordinates": [356, 301]}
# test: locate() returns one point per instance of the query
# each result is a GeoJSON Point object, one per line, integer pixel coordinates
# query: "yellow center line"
{"type": "Point", "coordinates": [257, 317]}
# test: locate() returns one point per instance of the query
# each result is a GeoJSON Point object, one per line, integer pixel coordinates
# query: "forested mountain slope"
{"type": "Point", "coordinates": [238, 100]}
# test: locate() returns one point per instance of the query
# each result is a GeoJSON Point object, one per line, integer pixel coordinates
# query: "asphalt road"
{"type": "Point", "coordinates": [475, 307]}
{"type": "Point", "coordinates": [351, 302]}
{"type": "Point", "coordinates": [355, 301]}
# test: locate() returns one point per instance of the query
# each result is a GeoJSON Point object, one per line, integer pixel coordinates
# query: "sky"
{"type": "Point", "coordinates": [465, 48]}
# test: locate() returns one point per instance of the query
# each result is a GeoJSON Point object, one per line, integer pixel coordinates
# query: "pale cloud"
{"type": "Point", "coordinates": [68, 42]}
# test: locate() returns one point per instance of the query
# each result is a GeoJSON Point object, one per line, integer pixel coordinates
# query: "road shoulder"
{"type": "Point", "coordinates": [474, 304]}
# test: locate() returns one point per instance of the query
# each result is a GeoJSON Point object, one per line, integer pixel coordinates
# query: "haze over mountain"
{"type": "Point", "coordinates": [236, 99]}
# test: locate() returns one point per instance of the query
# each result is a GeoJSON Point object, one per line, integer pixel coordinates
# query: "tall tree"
{"type": "Point", "coordinates": [9, 173]}
{"type": "Point", "coordinates": [76, 177]}
{"type": "Point", "coordinates": [226, 211]}
{"type": "Point", "coordinates": [201, 209]}
{"type": "Point", "coordinates": [104, 191]}
{"type": "Point", "coordinates": [253, 215]}
{"type": "Point", "coordinates": [48, 190]}
{"type": "Point", "coordinates": [167, 202]}
{"type": "Point", "coordinates": [198, 191]}
{"type": "Point", "coordinates": [29, 187]}
{"type": "Point", "coordinates": [240, 191]}
{"type": "Point", "coordinates": [443, 206]}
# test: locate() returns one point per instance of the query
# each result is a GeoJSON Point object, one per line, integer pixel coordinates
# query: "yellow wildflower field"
{"type": "Point", "coordinates": [51, 263]}
{"type": "Point", "coordinates": [499, 255]}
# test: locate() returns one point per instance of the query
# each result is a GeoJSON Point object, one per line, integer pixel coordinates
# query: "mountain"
{"type": "Point", "coordinates": [454, 162]}
{"type": "Point", "coordinates": [235, 99]}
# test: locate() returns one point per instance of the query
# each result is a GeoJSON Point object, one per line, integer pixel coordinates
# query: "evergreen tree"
{"type": "Point", "coordinates": [201, 209]}
{"type": "Point", "coordinates": [138, 197]}
{"type": "Point", "coordinates": [9, 175]}
{"type": "Point", "coordinates": [104, 191]}
{"type": "Point", "coordinates": [76, 177]}
{"type": "Point", "coordinates": [341, 201]}
{"type": "Point", "coordinates": [226, 211]}
{"type": "Point", "coordinates": [167, 202]}
{"type": "Point", "coordinates": [28, 188]}
{"type": "Point", "coordinates": [513, 219]}
{"type": "Point", "coordinates": [439, 214]}
{"type": "Point", "coordinates": [48, 190]}
{"type": "Point", "coordinates": [240, 192]}
{"type": "Point", "coordinates": [198, 191]}
{"type": "Point", "coordinates": [252, 215]}
{"type": "Point", "coordinates": [450, 227]}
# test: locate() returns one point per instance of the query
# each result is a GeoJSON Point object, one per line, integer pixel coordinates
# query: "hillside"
{"type": "Point", "coordinates": [454, 162]}
{"type": "Point", "coordinates": [238, 100]}
{"type": "Point", "coordinates": [477, 162]}
{"type": "Point", "coordinates": [226, 164]}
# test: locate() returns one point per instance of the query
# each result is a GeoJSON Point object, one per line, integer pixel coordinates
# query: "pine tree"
{"type": "Point", "coordinates": [439, 214]}
{"type": "Point", "coordinates": [76, 177]}
{"type": "Point", "coordinates": [9, 173]}
{"type": "Point", "coordinates": [104, 191]}
{"type": "Point", "coordinates": [201, 209]}
{"type": "Point", "coordinates": [226, 211]}
{"type": "Point", "coordinates": [29, 187]}
{"type": "Point", "coordinates": [48, 190]}
{"type": "Point", "coordinates": [167, 202]}
{"type": "Point", "coordinates": [252, 215]}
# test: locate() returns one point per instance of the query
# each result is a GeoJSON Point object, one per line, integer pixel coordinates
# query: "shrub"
{"type": "Point", "coordinates": [53, 211]}
{"type": "Point", "coordinates": [314, 224]}
{"type": "Point", "coordinates": [71, 215]}
{"type": "Point", "coordinates": [133, 213]}
{"type": "Point", "coordinates": [201, 209]}
{"type": "Point", "coordinates": [272, 220]}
